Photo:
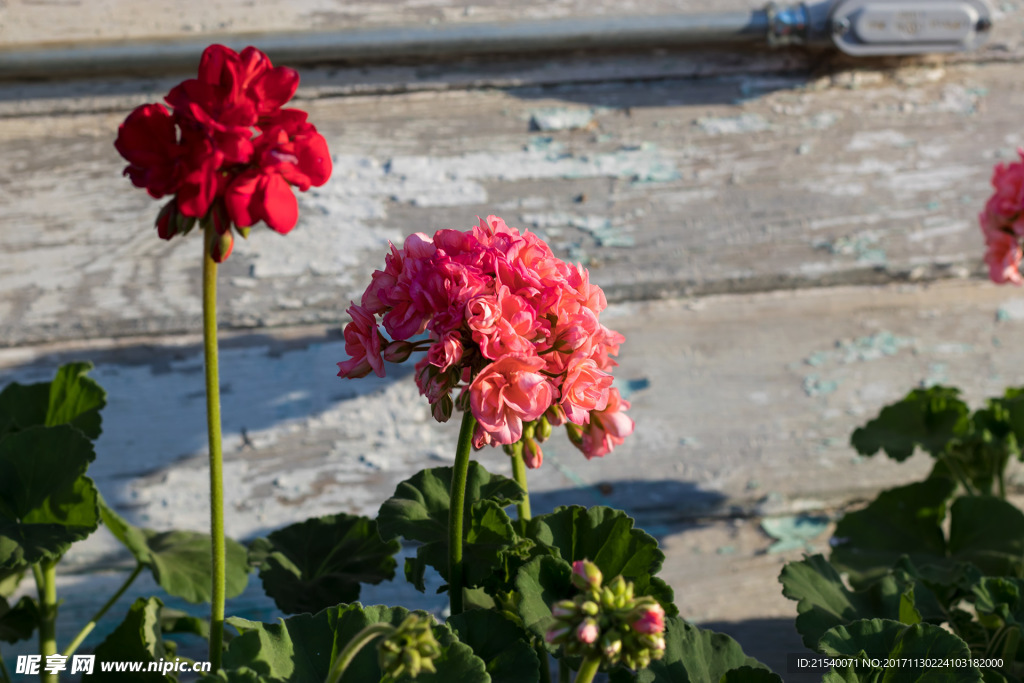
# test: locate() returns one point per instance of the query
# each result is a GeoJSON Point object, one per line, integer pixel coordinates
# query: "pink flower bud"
{"type": "Point", "coordinates": [556, 634]}
{"type": "Point", "coordinates": [167, 220]}
{"type": "Point", "coordinates": [651, 619]}
{"type": "Point", "coordinates": [221, 246]}
{"type": "Point", "coordinates": [588, 632]}
{"type": "Point", "coordinates": [397, 352]}
{"type": "Point", "coordinates": [585, 574]}
{"type": "Point", "coordinates": [532, 455]}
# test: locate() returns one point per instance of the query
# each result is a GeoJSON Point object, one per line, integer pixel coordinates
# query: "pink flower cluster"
{"type": "Point", "coordinates": [1002, 223]}
{"type": "Point", "coordinates": [203, 150]}
{"type": "Point", "coordinates": [513, 328]}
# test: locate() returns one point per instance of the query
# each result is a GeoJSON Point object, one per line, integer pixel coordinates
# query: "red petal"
{"type": "Point", "coordinates": [280, 209]}
{"type": "Point", "coordinates": [239, 196]}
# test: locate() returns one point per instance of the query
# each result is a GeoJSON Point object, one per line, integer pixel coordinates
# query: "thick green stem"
{"type": "Point", "coordinates": [46, 583]}
{"type": "Point", "coordinates": [4, 672]}
{"type": "Point", "coordinates": [216, 457]}
{"type": "Point", "coordinates": [354, 646]}
{"type": "Point", "coordinates": [456, 510]}
{"type": "Point", "coordinates": [519, 473]}
{"type": "Point", "coordinates": [87, 629]}
{"type": "Point", "coordinates": [545, 664]}
{"type": "Point", "coordinates": [588, 669]}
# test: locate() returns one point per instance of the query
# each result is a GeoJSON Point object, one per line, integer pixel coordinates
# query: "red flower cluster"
{"type": "Point", "coordinates": [204, 151]}
{"type": "Point", "coordinates": [1002, 223]}
{"type": "Point", "coordinates": [511, 326]}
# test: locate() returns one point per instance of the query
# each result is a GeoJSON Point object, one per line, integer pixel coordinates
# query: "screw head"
{"type": "Point", "coordinates": [840, 26]}
{"type": "Point", "coordinates": [984, 24]}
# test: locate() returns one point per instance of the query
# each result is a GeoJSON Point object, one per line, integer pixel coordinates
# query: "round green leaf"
{"type": "Point", "coordinates": [321, 562]}
{"type": "Point", "coordinates": [301, 648]}
{"type": "Point", "coordinates": [137, 639]}
{"type": "Point", "coordinates": [71, 398]}
{"type": "Point", "coordinates": [901, 521]}
{"type": "Point", "coordinates": [930, 418]}
{"type": "Point", "coordinates": [694, 655]}
{"type": "Point", "coordinates": [542, 582]}
{"type": "Point", "coordinates": [180, 560]}
{"type": "Point", "coordinates": [45, 502]}
{"type": "Point", "coordinates": [606, 537]}
{"type": "Point", "coordinates": [419, 509]}
{"type": "Point", "coordinates": [504, 646]}
{"type": "Point", "coordinates": [882, 639]}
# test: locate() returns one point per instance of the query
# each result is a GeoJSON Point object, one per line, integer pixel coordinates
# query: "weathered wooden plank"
{"type": "Point", "coordinates": [667, 187]}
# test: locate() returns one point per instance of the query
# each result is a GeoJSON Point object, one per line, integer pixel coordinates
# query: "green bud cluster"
{"type": "Point", "coordinates": [411, 649]}
{"type": "Point", "coordinates": [602, 620]}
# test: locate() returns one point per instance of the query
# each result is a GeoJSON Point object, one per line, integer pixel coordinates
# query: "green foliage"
{"type": "Point", "coordinates": [71, 398]}
{"type": "Point", "coordinates": [884, 639]}
{"type": "Point", "coordinates": [926, 418]}
{"type": "Point", "coordinates": [137, 639]}
{"type": "Point", "coordinates": [301, 648]}
{"type": "Point", "coordinates": [322, 561]}
{"type": "Point", "coordinates": [695, 655]}
{"type": "Point", "coordinates": [18, 621]}
{"type": "Point", "coordinates": [542, 582]}
{"type": "Point", "coordinates": [46, 502]}
{"type": "Point", "coordinates": [179, 560]}
{"type": "Point", "coordinates": [504, 646]}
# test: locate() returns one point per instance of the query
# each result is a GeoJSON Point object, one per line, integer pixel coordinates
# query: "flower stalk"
{"type": "Point", "coordinates": [46, 584]}
{"type": "Point", "coordinates": [456, 510]}
{"type": "Point", "coordinates": [87, 629]}
{"type": "Point", "coordinates": [589, 669]}
{"type": "Point", "coordinates": [218, 572]}
{"type": "Point", "coordinates": [519, 474]}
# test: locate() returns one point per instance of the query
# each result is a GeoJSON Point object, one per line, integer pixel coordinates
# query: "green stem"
{"type": "Point", "coordinates": [588, 669]}
{"type": "Point", "coordinates": [4, 671]}
{"type": "Point", "coordinates": [545, 664]}
{"type": "Point", "coordinates": [87, 629]}
{"type": "Point", "coordinates": [519, 473]}
{"type": "Point", "coordinates": [46, 583]}
{"type": "Point", "coordinates": [354, 646]}
{"type": "Point", "coordinates": [563, 671]}
{"type": "Point", "coordinates": [216, 457]}
{"type": "Point", "coordinates": [959, 474]}
{"type": "Point", "coordinates": [456, 511]}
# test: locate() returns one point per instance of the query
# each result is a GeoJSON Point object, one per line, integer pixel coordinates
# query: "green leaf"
{"type": "Point", "coordinates": [76, 400]}
{"type": "Point", "coordinates": [606, 537]}
{"type": "Point", "coordinates": [542, 582]}
{"type": "Point", "coordinates": [929, 418]}
{"type": "Point", "coordinates": [302, 647]}
{"type": "Point", "coordinates": [901, 521]}
{"type": "Point", "coordinates": [419, 511]}
{"type": "Point", "coordinates": [695, 655]}
{"type": "Point", "coordinates": [882, 639]}
{"type": "Point", "coordinates": [748, 674]}
{"type": "Point", "coordinates": [9, 580]}
{"type": "Point", "coordinates": [824, 602]}
{"type": "Point", "coordinates": [988, 533]}
{"type": "Point", "coordinates": [321, 562]}
{"type": "Point", "coordinates": [20, 621]}
{"type": "Point", "coordinates": [176, 621]}
{"type": "Point", "coordinates": [137, 639]}
{"type": "Point", "coordinates": [45, 502]}
{"type": "Point", "coordinates": [180, 561]}
{"type": "Point", "coordinates": [71, 398]}
{"type": "Point", "coordinates": [504, 646]}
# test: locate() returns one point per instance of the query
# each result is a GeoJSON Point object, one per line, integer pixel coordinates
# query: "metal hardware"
{"type": "Point", "coordinates": [885, 27]}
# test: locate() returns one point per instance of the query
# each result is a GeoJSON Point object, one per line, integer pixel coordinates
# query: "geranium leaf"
{"type": "Point", "coordinates": [19, 621]}
{"type": "Point", "coordinates": [180, 561]}
{"type": "Point", "coordinates": [321, 562]}
{"type": "Point", "coordinates": [883, 639]}
{"type": "Point", "coordinates": [930, 418]}
{"type": "Point", "coordinates": [23, 406]}
{"type": "Point", "coordinates": [45, 502]}
{"type": "Point", "coordinates": [999, 601]}
{"type": "Point", "coordinates": [694, 655]}
{"type": "Point", "coordinates": [901, 521]}
{"type": "Point", "coordinates": [504, 646]}
{"type": "Point", "coordinates": [542, 582]}
{"type": "Point", "coordinates": [606, 537]}
{"type": "Point", "coordinates": [748, 674]}
{"type": "Point", "coordinates": [76, 400]}
{"type": "Point", "coordinates": [9, 580]}
{"type": "Point", "coordinates": [988, 533]}
{"type": "Point", "coordinates": [137, 639]}
{"type": "Point", "coordinates": [176, 621]}
{"type": "Point", "coordinates": [824, 602]}
{"type": "Point", "coordinates": [302, 647]}
{"type": "Point", "coordinates": [419, 509]}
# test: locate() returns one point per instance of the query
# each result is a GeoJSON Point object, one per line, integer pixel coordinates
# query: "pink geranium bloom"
{"type": "Point", "coordinates": [363, 343]}
{"type": "Point", "coordinates": [1003, 258]}
{"type": "Point", "coordinates": [651, 620]}
{"type": "Point", "coordinates": [607, 428]}
{"type": "Point", "coordinates": [508, 392]}
{"type": "Point", "coordinates": [584, 389]}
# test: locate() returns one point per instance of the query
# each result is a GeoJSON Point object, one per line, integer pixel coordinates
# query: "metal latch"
{"type": "Point", "coordinates": [880, 27]}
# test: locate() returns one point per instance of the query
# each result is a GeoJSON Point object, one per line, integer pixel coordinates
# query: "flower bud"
{"type": "Point", "coordinates": [565, 608]}
{"type": "Point", "coordinates": [221, 245]}
{"type": "Point", "coordinates": [611, 646]}
{"type": "Point", "coordinates": [532, 455]}
{"type": "Point", "coordinates": [590, 608]}
{"type": "Point", "coordinates": [585, 575]}
{"type": "Point", "coordinates": [397, 351]}
{"type": "Point", "coordinates": [556, 634]}
{"type": "Point", "coordinates": [556, 415]}
{"type": "Point", "coordinates": [528, 429]}
{"type": "Point", "coordinates": [167, 220]}
{"type": "Point", "coordinates": [649, 619]}
{"type": "Point", "coordinates": [588, 631]}
{"type": "Point", "coordinates": [543, 432]}
{"type": "Point", "coordinates": [409, 650]}
{"type": "Point", "coordinates": [574, 433]}
{"type": "Point", "coordinates": [442, 409]}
